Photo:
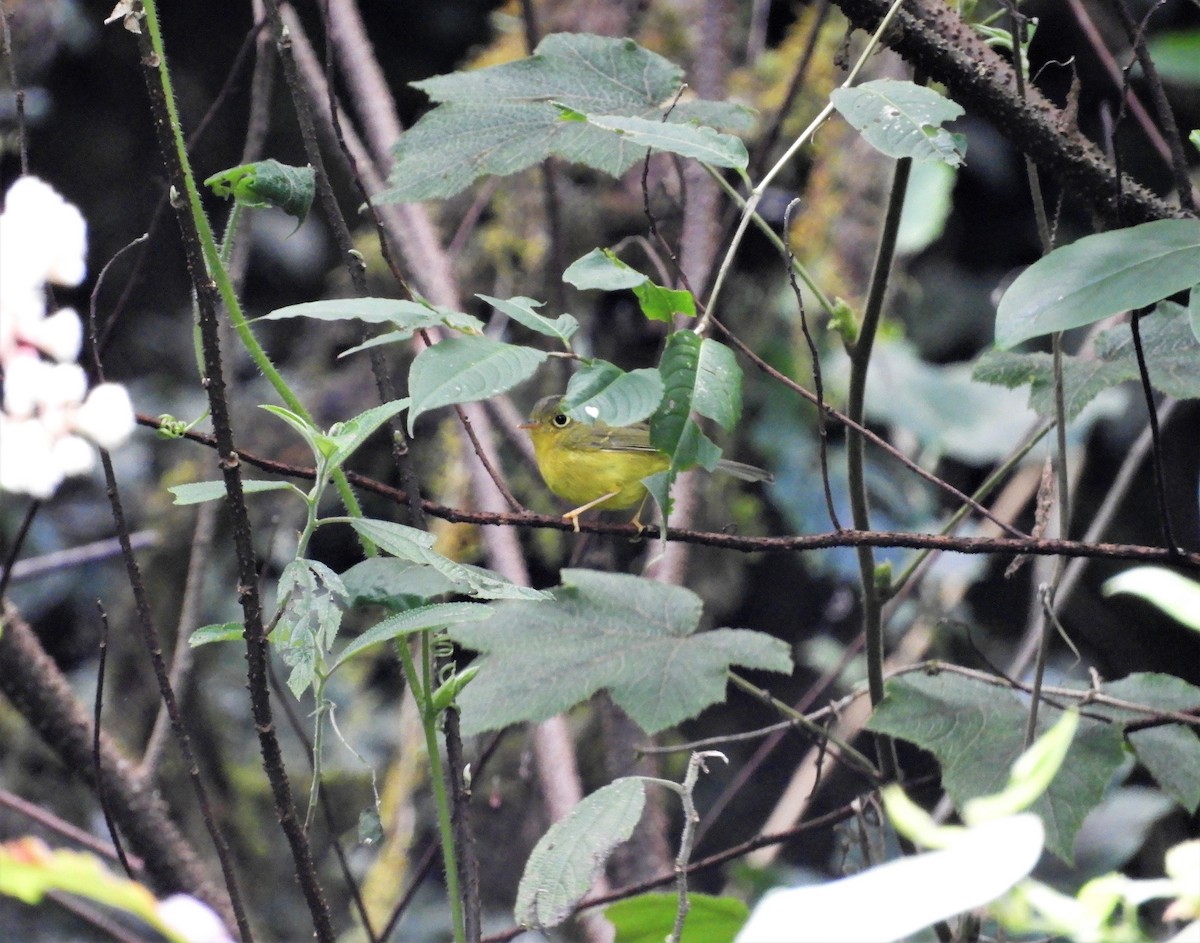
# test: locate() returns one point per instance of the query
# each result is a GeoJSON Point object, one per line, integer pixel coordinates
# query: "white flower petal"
{"type": "Point", "coordinates": [73, 455]}
{"type": "Point", "coordinates": [50, 233]}
{"type": "Point", "coordinates": [905, 895]}
{"type": "Point", "coordinates": [59, 336]}
{"type": "Point", "coordinates": [26, 463]}
{"type": "Point", "coordinates": [106, 416]}
{"type": "Point", "coordinates": [192, 920]}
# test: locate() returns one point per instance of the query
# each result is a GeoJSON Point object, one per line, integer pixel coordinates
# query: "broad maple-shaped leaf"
{"type": "Point", "coordinates": [505, 118]}
{"type": "Point", "coordinates": [976, 731]}
{"type": "Point", "coordinates": [632, 637]}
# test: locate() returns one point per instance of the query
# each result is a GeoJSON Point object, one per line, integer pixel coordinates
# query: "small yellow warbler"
{"type": "Point", "coordinates": [596, 465]}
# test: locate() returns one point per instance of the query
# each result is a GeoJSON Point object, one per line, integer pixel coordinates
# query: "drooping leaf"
{"type": "Point", "coordinates": [649, 918]}
{"type": "Point", "coordinates": [407, 317]}
{"type": "Point", "coordinates": [601, 391]}
{"type": "Point", "coordinates": [268, 183]}
{"type": "Point", "coordinates": [976, 731]}
{"type": "Point", "coordinates": [465, 370]}
{"type": "Point", "coordinates": [311, 596]}
{"type": "Point", "coordinates": [672, 428]}
{"type": "Point", "coordinates": [633, 637]}
{"type": "Point", "coordinates": [505, 118]}
{"type": "Point", "coordinates": [927, 204]}
{"type": "Point", "coordinates": [197, 492]}
{"type": "Point", "coordinates": [521, 311]}
{"type": "Point", "coordinates": [1098, 276]}
{"type": "Point", "coordinates": [396, 585]}
{"type": "Point", "coordinates": [902, 119]}
{"type": "Point", "coordinates": [565, 862]}
{"type": "Point", "coordinates": [416, 546]}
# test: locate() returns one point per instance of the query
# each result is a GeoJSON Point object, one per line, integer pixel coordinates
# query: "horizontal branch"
{"type": "Point", "coordinates": [1045, 547]}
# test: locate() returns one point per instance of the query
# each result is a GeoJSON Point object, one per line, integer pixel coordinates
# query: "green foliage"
{"type": "Point", "coordinates": [197, 492]}
{"type": "Point", "coordinates": [309, 619]}
{"type": "Point", "coordinates": [567, 859]}
{"type": "Point", "coordinates": [902, 119]}
{"type": "Point", "coordinates": [1176, 55]}
{"type": "Point", "coordinates": [407, 317]}
{"type": "Point", "coordinates": [601, 391]}
{"type": "Point", "coordinates": [503, 119]}
{"type": "Point", "coordinates": [268, 183]}
{"type": "Point", "coordinates": [601, 269]}
{"type": "Point", "coordinates": [1098, 276]}
{"type": "Point", "coordinates": [1171, 347]}
{"type": "Point", "coordinates": [465, 370]}
{"type": "Point", "coordinates": [633, 637]}
{"type": "Point", "coordinates": [420, 619]}
{"type": "Point", "coordinates": [976, 732]}
{"type": "Point", "coordinates": [1175, 595]}
{"type": "Point", "coordinates": [648, 918]}
{"type": "Point", "coordinates": [521, 311]}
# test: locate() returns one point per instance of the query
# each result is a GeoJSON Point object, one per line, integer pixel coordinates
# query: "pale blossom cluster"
{"type": "Point", "coordinates": [49, 421]}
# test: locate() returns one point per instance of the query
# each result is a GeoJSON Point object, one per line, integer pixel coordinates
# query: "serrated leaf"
{"type": "Point", "coordinates": [416, 546]}
{"type": "Point", "coordinates": [1171, 753]}
{"type": "Point", "coordinates": [976, 731]}
{"type": "Point", "coordinates": [649, 918]}
{"type": "Point", "coordinates": [218, 632]}
{"type": "Point", "coordinates": [505, 118]}
{"type": "Point", "coordinates": [311, 596]}
{"type": "Point", "coordinates": [601, 391]}
{"type": "Point", "coordinates": [901, 119]}
{"type": "Point", "coordinates": [565, 862]}
{"type": "Point", "coordinates": [1172, 352]}
{"type": "Point", "coordinates": [197, 492]}
{"type": "Point", "coordinates": [633, 637]}
{"type": "Point", "coordinates": [718, 391]}
{"type": "Point", "coordinates": [695, 141]}
{"type": "Point", "coordinates": [397, 585]}
{"type": "Point", "coordinates": [465, 370]}
{"type": "Point", "coordinates": [1098, 276]}
{"type": "Point", "coordinates": [421, 619]}
{"type": "Point", "coordinates": [521, 310]}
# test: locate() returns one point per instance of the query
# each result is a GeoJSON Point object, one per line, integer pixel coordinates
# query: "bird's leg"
{"type": "Point", "coordinates": [573, 516]}
{"type": "Point", "coordinates": [637, 517]}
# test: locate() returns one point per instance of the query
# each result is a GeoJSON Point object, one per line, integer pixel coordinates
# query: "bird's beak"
{"type": "Point", "coordinates": [527, 424]}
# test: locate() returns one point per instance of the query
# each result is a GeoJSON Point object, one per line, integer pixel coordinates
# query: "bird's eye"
{"type": "Point", "coordinates": [561, 420]}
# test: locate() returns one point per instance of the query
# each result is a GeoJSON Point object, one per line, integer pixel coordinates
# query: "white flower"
{"type": "Point", "coordinates": [106, 416]}
{"type": "Point", "coordinates": [192, 920]}
{"type": "Point", "coordinates": [27, 465]}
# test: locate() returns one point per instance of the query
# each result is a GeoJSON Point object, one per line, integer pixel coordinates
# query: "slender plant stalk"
{"type": "Point", "coordinates": [422, 693]}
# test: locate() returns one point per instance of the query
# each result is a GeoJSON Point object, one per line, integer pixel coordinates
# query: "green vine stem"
{"type": "Point", "coordinates": [422, 692]}
{"type": "Point", "coordinates": [214, 263]}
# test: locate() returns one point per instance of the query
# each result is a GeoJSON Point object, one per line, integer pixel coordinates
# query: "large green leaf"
{"type": "Point", "coordinates": [407, 316]}
{"type": "Point", "coordinates": [505, 118]}
{"type": "Point", "coordinates": [686, 140]}
{"type": "Point", "coordinates": [672, 428]}
{"type": "Point", "coordinates": [1172, 354]}
{"type": "Point", "coordinates": [633, 637]}
{"type": "Point", "coordinates": [649, 918]}
{"type": "Point", "coordinates": [1098, 276]}
{"type": "Point", "coordinates": [976, 731]}
{"type": "Point", "coordinates": [467, 369]}
{"type": "Point", "coordinates": [603, 392]}
{"type": "Point", "coordinates": [568, 858]}
{"type": "Point", "coordinates": [902, 119]}
{"type": "Point", "coordinates": [1170, 753]}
